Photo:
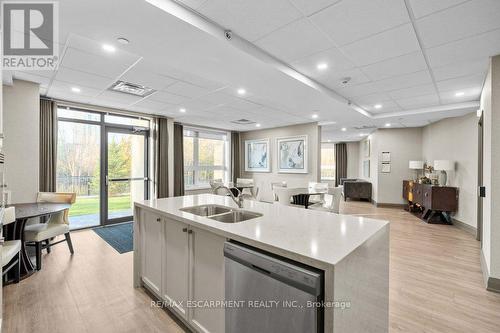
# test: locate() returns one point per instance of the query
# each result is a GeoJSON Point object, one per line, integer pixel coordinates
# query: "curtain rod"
{"type": "Point", "coordinates": [103, 109]}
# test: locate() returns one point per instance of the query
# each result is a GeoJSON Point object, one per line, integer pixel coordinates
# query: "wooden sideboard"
{"type": "Point", "coordinates": [433, 203]}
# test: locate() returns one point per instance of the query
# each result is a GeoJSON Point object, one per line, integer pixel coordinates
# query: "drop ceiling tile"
{"type": "Point", "coordinates": [83, 79]}
{"type": "Point", "coordinates": [244, 105]}
{"type": "Point", "coordinates": [250, 19]}
{"type": "Point", "coordinates": [64, 88]}
{"type": "Point", "coordinates": [461, 83]}
{"type": "Point", "coordinates": [333, 57]}
{"type": "Point", "coordinates": [217, 97]}
{"type": "Point", "coordinates": [295, 41]}
{"type": "Point", "coordinates": [470, 94]}
{"type": "Point", "coordinates": [309, 7]}
{"type": "Point", "coordinates": [149, 104]}
{"type": "Point", "coordinates": [461, 69]}
{"type": "Point", "coordinates": [186, 89]}
{"type": "Point", "coordinates": [25, 76]}
{"type": "Point", "coordinates": [42, 73]}
{"type": "Point", "coordinates": [405, 64]}
{"type": "Point", "coordinates": [349, 21]}
{"type": "Point", "coordinates": [387, 106]}
{"type": "Point", "coordinates": [140, 75]}
{"type": "Point", "coordinates": [426, 89]}
{"type": "Point", "coordinates": [360, 89]}
{"type": "Point", "coordinates": [103, 65]}
{"type": "Point", "coordinates": [418, 102]}
{"type": "Point", "coordinates": [404, 81]}
{"type": "Point", "coordinates": [425, 7]}
{"type": "Point", "coordinates": [466, 20]}
{"type": "Point", "coordinates": [163, 96]}
{"type": "Point", "coordinates": [372, 99]}
{"type": "Point", "coordinates": [383, 46]}
{"type": "Point", "coordinates": [118, 98]}
{"type": "Point", "coordinates": [473, 48]}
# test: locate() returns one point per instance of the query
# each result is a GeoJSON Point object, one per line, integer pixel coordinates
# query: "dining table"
{"type": "Point", "coordinates": [15, 230]}
{"type": "Point", "coordinates": [302, 199]}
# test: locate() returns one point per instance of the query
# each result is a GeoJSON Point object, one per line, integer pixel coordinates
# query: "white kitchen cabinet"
{"type": "Point", "coordinates": [176, 266]}
{"type": "Point", "coordinates": [152, 249]}
{"type": "Point", "coordinates": [206, 280]}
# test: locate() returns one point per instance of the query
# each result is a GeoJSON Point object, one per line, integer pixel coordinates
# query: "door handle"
{"type": "Point", "coordinates": [482, 191]}
{"type": "Point", "coordinates": [107, 180]}
{"type": "Point", "coordinates": [190, 231]}
{"type": "Point", "coordinates": [184, 229]}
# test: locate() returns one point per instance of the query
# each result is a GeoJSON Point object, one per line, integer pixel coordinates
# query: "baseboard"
{"type": "Point", "coordinates": [464, 226]}
{"type": "Point", "coordinates": [389, 205]}
{"type": "Point", "coordinates": [491, 283]}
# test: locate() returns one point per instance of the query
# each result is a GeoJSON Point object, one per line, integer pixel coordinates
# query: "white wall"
{"type": "Point", "coordinates": [312, 130]}
{"type": "Point", "coordinates": [352, 159]}
{"type": "Point", "coordinates": [455, 139]}
{"type": "Point", "coordinates": [21, 114]}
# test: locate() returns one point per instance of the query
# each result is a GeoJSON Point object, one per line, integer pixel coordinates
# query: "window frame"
{"type": "Point", "coordinates": [196, 167]}
{"type": "Point", "coordinates": [327, 146]}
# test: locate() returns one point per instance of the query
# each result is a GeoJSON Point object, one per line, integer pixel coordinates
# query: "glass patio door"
{"type": "Point", "coordinates": [126, 172]}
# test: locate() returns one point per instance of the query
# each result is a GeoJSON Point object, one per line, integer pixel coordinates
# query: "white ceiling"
{"type": "Point", "coordinates": [408, 56]}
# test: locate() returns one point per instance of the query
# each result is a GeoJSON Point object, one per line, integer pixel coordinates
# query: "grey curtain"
{"type": "Point", "coordinates": [48, 145]}
{"type": "Point", "coordinates": [235, 155]}
{"type": "Point", "coordinates": [340, 162]}
{"type": "Point", "coordinates": [178, 160]}
{"type": "Point", "coordinates": [161, 158]}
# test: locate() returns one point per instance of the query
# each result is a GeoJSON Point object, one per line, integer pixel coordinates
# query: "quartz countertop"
{"type": "Point", "coordinates": [301, 233]}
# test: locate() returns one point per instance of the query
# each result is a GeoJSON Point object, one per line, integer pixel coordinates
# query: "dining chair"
{"type": "Point", "coordinates": [319, 187]}
{"type": "Point", "coordinates": [214, 183]}
{"type": "Point", "coordinates": [333, 206]}
{"type": "Point", "coordinates": [11, 253]}
{"type": "Point", "coordinates": [246, 181]}
{"type": "Point", "coordinates": [285, 195]}
{"type": "Point", "coordinates": [57, 225]}
{"type": "Point", "coordinates": [275, 186]}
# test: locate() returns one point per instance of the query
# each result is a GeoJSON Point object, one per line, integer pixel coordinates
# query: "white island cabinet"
{"type": "Point", "coordinates": [179, 257]}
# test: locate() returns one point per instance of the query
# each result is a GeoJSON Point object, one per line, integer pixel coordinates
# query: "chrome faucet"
{"type": "Point", "coordinates": [238, 200]}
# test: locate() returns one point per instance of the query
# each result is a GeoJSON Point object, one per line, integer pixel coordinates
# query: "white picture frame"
{"type": "Point", "coordinates": [386, 156]}
{"type": "Point", "coordinates": [257, 155]}
{"type": "Point", "coordinates": [386, 168]}
{"type": "Point", "coordinates": [292, 154]}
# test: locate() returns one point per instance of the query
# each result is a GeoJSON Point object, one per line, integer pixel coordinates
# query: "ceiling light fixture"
{"type": "Point", "coordinates": [362, 134]}
{"type": "Point", "coordinates": [459, 94]}
{"type": "Point", "coordinates": [242, 91]}
{"type": "Point", "coordinates": [329, 140]}
{"type": "Point", "coordinates": [315, 116]}
{"type": "Point", "coordinates": [322, 66]}
{"type": "Point", "coordinates": [76, 89]}
{"type": "Point", "coordinates": [182, 110]}
{"type": "Point", "coordinates": [257, 125]}
{"type": "Point", "coordinates": [388, 125]}
{"type": "Point", "coordinates": [123, 40]}
{"type": "Point", "coordinates": [343, 129]}
{"type": "Point", "coordinates": [108, 48]}
{"type": "Point", "coordinates": [377, 106]}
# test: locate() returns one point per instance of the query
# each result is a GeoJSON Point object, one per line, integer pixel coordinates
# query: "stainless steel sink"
{"type": "Point", "coordinates": [206, 210]}
{"type": "Point", "coordinates": [235, 216]}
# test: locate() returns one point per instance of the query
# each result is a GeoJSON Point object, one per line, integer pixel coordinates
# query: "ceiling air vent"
{"type": "Point", "coordinates": [131, 88]}
{"type": "Point", "coordinates": [243, 122]}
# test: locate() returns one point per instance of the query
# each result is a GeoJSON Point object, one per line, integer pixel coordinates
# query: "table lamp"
{"type": "Point", "coordinates": [416, 165]}
{"type": "Point", "coordinates": [443, 166]}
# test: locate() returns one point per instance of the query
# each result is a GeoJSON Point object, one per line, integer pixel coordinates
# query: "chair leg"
{"type": "Point", "coordinates": [68, 240]}
{"type": "Point", "coordinates": [47, 245]}
{"type": "Point", "coordinates": [17, 269]}
{"type": "Point", "coordinates": [38, 248]}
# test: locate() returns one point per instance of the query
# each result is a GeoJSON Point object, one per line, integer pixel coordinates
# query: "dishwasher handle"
{"type": "Point", "coordinates": [309, 280]}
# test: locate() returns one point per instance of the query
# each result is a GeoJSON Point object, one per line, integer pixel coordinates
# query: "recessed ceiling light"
{"type": "Point", "coordinates": [460, 93]}
{"type": "Point", "coordinates": [257, 125]}
{"type": "Point", "coordinates": [377, 106]}
{"type": "Point", "coordinates": [76, 89]}
{"type": "Point", "coordinates": [343, 129]}
{"type": "Point", "coordinates": [322, 66]}
{"type": "Point", "coordinates": [329, 140]}
{"type": "Point", "coordinates": [362, 134]}
{"type": "Point", "coordinates": [242, 91]}
{"type": "Point", "coordinates": [182, 110]}
{"type": "Point", "coordinates": [388, 125]}
{"type": "Point", "coordinates": [108, 48]}
{"type": "Point", "coordinates": [123, 40]}
{"type": "Point", "coordinates": [315, 116]}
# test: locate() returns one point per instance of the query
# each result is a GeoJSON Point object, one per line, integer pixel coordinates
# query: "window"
{"type": "Point", "coordinates": [327, 161]}
{"type": "Point", "coordinates": [205, 157]}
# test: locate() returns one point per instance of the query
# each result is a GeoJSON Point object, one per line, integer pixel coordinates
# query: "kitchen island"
{"type": "Point", "coordinates": [178, 257]}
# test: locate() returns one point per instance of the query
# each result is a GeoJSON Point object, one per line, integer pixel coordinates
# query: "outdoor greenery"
{"type": "Point", "coordinates": [90, 205]}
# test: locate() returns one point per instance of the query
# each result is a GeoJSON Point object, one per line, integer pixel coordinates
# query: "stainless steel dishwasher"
{"type": "Point", "coordinates": [265, 293]}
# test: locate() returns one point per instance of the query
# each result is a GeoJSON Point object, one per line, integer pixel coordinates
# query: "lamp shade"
{"type": "Point", "coordinates": [416, 165]}
{"type": "Point", "coordinates": [444, 165]}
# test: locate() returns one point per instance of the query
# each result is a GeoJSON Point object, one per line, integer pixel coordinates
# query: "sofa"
{"type": "Point", "coordinates": [354, 188]}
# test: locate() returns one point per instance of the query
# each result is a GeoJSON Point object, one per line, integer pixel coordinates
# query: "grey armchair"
{"type": "Point", "coordinates": [356, 189]}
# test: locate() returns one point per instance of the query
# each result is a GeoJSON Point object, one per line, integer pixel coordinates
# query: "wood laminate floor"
{"type": "Point", "coordinates": [435, 285]}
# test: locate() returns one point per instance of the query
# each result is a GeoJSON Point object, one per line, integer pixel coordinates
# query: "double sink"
{"type": "Point", "coordinates": [221, 213]}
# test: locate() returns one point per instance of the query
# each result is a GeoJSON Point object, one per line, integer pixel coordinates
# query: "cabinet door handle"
{"type": "Point", "coordinates": [190, 231]}
{"type": "Point", "coordinates": [184, 229]}
{"type": "Point", "coordinates": [158, 219]}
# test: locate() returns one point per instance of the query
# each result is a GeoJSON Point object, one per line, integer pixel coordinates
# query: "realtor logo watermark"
{"type": "Point", "coordinates": [30, 35]}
